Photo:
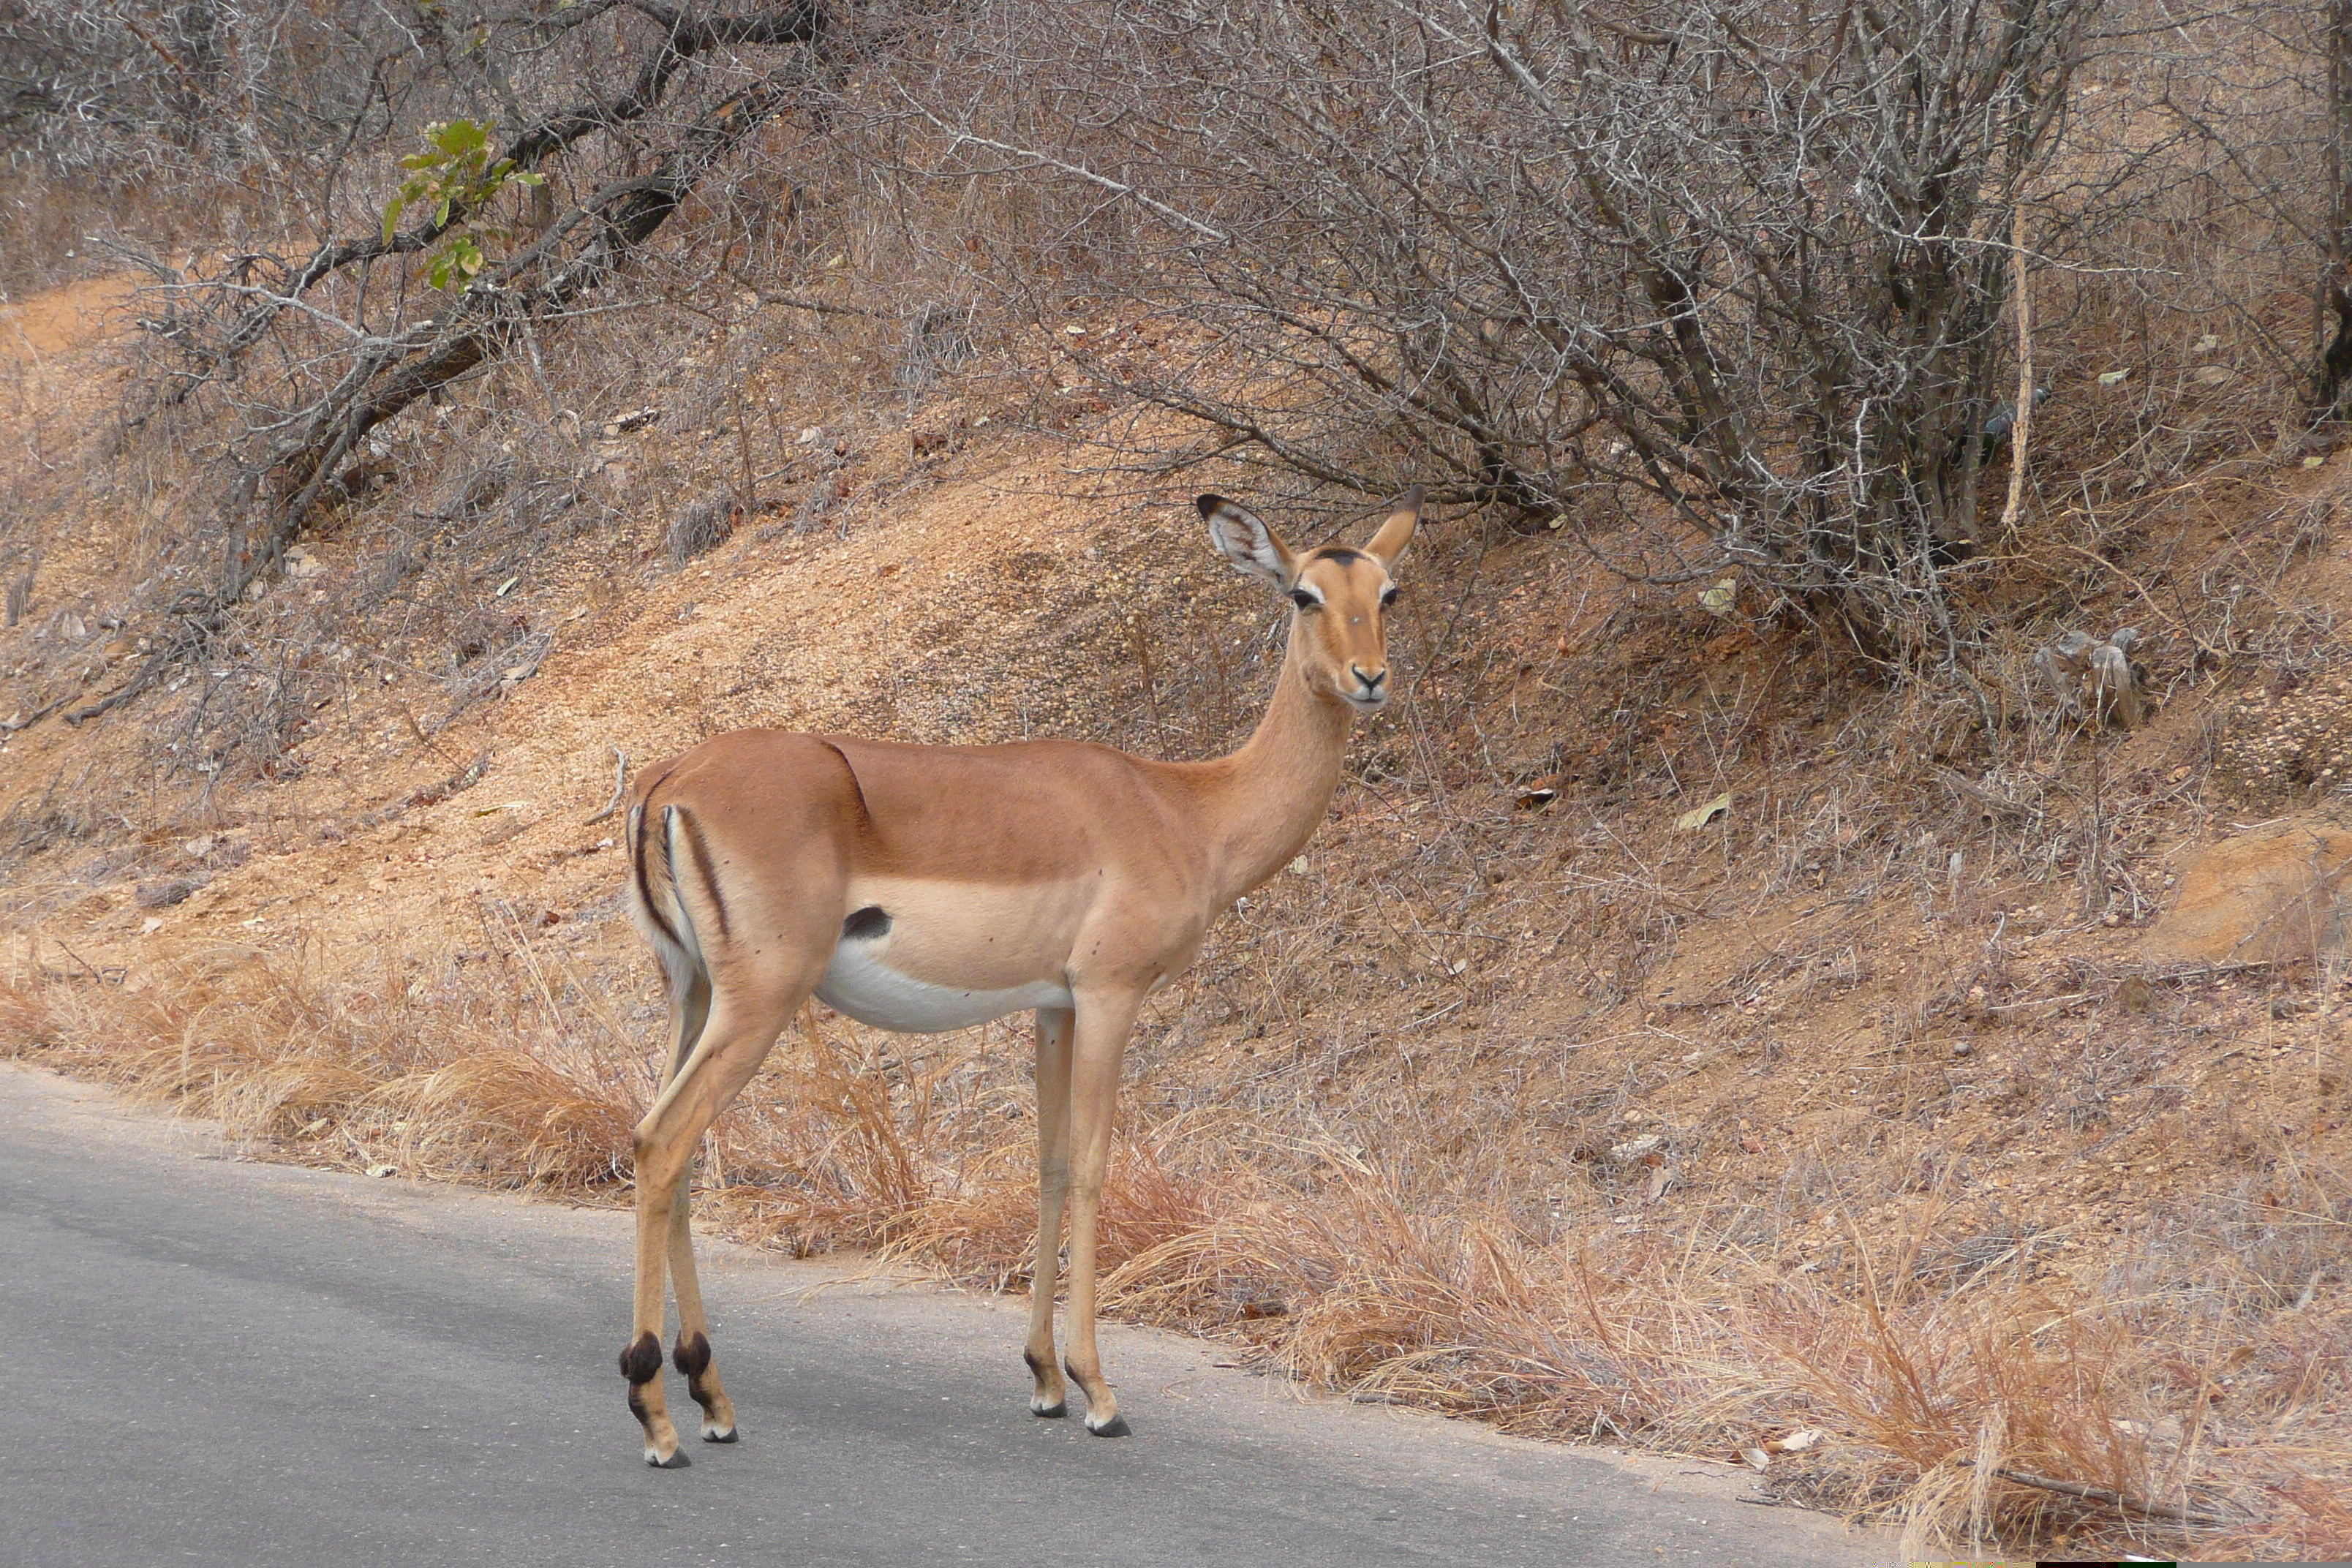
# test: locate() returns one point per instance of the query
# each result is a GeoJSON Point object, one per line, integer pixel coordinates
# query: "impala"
{"type": "Point", "coordinates": [919, 888]}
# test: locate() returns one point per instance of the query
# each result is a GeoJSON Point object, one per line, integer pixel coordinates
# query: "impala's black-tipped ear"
{"type": "Point", "coordinates": [1247, 544]}
{"type": "Point", "coordinates": [1397, 532]}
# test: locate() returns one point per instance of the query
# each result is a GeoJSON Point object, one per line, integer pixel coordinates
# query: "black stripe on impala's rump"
{"type": "Point", "coordinates": [638, 864]}
{"type": "Point", "coordinates": [866, 924]}
{"type": "Point", "coordinates": [702, 867]}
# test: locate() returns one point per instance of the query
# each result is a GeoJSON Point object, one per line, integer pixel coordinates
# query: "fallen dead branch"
{"type": "Point", "coordinates": [2124, 1500]}
{"type": "Point", "coordinates": [620, 787]}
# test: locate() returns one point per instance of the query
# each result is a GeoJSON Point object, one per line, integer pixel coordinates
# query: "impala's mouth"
{"type": "Point", "coordinates": [1370, 701]}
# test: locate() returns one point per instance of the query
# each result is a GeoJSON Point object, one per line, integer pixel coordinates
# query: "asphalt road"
{"type": "Point", "coordinates": [216, 1361]}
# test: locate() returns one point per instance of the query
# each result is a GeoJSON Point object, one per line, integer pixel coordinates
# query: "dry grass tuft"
{"type": "Point", "coordinates": [345, 1075]}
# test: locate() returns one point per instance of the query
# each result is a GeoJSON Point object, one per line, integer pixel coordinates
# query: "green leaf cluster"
{"type": "Point", "coordinates": [454, 173]}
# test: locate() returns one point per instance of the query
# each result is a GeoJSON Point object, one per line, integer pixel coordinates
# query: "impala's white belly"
{"type": "Point", "coordinates": [859, 984]}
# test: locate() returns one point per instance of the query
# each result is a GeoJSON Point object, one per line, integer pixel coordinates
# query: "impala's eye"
{"type": "Point", "coordinates": [1304, 600]}
{"type": "Point", "coordinates": [1388, 595]}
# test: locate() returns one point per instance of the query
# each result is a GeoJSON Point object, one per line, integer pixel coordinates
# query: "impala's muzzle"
{"type": "Point", "coordinates": [1370, 687]}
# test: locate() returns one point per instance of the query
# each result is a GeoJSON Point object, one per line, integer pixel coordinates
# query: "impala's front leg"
{"type": "Point", "coordinates": [1054, 1029]}
{"type": "Point", "coordinates": [1103, 1023]}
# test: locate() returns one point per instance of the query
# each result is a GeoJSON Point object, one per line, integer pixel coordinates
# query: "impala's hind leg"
{"type": "Point", "coordinates": [734, 1042]}
{"type": "Point", "coordinates": [693, 1352]}
{"type": "Point", "coordinates": [1049, 1397]}
{"type": "Point", "coordinates": [689, 1010]}
{"type": "Point", "coordinates": [692, 1355]}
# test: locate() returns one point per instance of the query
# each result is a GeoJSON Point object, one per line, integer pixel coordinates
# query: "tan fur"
{"type": "Point", "coordinates": [1056, 865]}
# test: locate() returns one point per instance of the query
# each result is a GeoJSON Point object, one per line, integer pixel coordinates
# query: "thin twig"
{"type": "Point", "coordinates": [620, 784]}
{"type": "Point", "coordinates": [793, 302]}
{"type": "Point", "coordinates": [77, 958]}
{"type": "Point", "coordinates": [2136, 587]}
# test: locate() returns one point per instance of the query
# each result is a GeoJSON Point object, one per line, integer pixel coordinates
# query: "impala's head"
{"type": "Point", "coordinates": [1339, 592]}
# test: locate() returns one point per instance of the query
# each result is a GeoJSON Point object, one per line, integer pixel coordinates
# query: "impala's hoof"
{"type": "Point", "coordinates": [1115, 1427]}
{"type": "Point", "coordinates": [678, 1461]}
{"type": "Point", "coordinates": [720, 1433]}
{"type": "Point", "coordinates": [1054, 1411]}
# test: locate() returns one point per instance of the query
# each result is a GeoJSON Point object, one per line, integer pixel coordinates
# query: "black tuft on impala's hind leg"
{"type": "Point", "coordinates": [641, 1363]}
{"type": "Point", "coordinates": [692, 1357]}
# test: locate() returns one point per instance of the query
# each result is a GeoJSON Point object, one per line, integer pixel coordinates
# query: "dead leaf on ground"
{"type": "Point", "coordinates": [1699, 816]}
{"type": "Point", "coordinates": [1796, 1442]}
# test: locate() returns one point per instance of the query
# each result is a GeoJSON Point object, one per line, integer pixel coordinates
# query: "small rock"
{"type": "Point", "coordinates": [384, 1170]}
{"type": "Point", "coordinates": [172, 890]}
{"type": "Point", "coordinates": [2275, 896]}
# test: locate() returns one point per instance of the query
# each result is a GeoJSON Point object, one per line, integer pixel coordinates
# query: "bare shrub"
{"type": "Point", "coordinates": [1747, 264]}
{"type": "Point", "coordinates": [703, 525]}
{"type": "Point", "coordinates": [288, 359]}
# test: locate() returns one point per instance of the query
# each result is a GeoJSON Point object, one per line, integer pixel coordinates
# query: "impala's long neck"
{"type": "Point", "coordinates": [1265, 801]}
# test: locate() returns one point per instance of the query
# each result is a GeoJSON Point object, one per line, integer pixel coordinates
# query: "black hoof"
{"type": "Point", "coordinates": [1052, 1412]}
{"type": "Point", "coordinates": [729, 1436]}
{"type": "Point", "coordinates": [1115, 1427]}
{"type": "Point", "coordinates": [678, 1461]}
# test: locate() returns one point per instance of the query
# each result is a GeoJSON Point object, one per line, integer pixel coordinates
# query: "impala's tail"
{"type": "Point", "coordinates": [662, 840]}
